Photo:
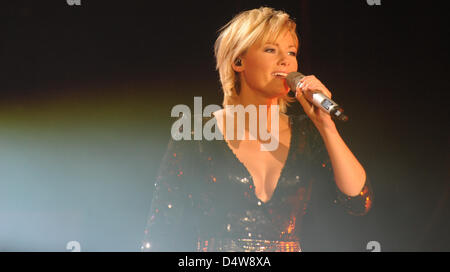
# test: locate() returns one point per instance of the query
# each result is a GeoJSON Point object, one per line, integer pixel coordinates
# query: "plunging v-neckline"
{"type": "Point", "coordinates": [238, 161]}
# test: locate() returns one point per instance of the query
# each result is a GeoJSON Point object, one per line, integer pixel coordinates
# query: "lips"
{"type": "Point", "coordinates": [279, 74]}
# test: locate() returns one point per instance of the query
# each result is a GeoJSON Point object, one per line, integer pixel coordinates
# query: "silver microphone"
{"type": "Point", "coordinates": [318, 99]}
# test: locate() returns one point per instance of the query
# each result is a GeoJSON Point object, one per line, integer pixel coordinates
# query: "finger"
{"type": "Point", "coordinates": [315, 87]}
{"type": "Point", "coordinates": [308, 77]}
{"type": "Point", "coordinates": [312, 83]}
{"type": "Point", "coordinates": [325, 91]}
{"type": "Point", "coordinates": [305, 78]}
{"type": "Point", "coordinates": [304, 86]}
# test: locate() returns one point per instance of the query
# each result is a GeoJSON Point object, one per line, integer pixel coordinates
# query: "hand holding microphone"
{"type": "Point", "coordinates": [317, 94]}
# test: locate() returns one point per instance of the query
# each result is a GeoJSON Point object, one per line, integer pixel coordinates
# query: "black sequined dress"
{"type": "Point", "coordinates": [204, 197]}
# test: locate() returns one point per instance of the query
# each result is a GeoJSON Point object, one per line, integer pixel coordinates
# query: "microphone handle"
{"type": "Point", "coordinates": [321, 101]}
{"type": "Point", "coordinates": [318, 99]}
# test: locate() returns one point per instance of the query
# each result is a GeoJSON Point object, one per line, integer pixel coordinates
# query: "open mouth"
{"type": "Point", "coordinates": [279, 74]}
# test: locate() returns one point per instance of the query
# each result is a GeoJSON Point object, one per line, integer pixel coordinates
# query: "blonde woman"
{"type": "Point", "coordinates": [232, 195]}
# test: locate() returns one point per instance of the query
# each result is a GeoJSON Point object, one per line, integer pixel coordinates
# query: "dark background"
{"type": "Point", "coordinates": [86, 93]}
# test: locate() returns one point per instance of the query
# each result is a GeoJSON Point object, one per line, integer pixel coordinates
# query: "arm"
{"type": "Point", "coordinates": [355, 204]}
{"type": "Point", "coordinates": [349, 174]}
{"type": "Point", "coordinates": [355, 191]}
{"type": "Point", "coordinates": [170, 225]}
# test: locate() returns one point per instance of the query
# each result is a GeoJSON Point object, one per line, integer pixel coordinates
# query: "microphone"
{"type": "Point", "coordinates": [318, 99]}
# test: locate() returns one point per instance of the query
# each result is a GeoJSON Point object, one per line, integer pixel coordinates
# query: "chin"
{"type": "Point", "coordinates": [283, 91]}
{"type": "Point", "coordinates": [279, 94]}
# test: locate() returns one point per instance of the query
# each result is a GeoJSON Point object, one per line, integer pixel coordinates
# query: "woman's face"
{"type": "Point", "coordinates": [265, 66]}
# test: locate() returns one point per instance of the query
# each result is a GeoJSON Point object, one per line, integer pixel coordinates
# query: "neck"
{"type": "Point", "coordinates": [249, 96]}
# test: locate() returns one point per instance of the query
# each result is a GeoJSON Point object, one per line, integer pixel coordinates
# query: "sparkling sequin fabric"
{"type": "Point", "coordinates": [204, 198]}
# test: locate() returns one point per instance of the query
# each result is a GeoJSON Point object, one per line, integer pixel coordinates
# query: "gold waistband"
{"type": "Point", "coordinates": [247, 245]}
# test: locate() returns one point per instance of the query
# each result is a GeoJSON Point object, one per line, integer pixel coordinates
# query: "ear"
{"type": "Point", "coordinates": [238, 65]}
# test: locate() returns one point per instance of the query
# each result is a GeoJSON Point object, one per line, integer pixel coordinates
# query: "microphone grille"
{"type": "Point", "coordinates": [293, 78]}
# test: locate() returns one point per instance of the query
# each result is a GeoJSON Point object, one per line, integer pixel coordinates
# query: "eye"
{"type": "Point", "coordinates": [293, 53]}
{"type": "Point", "coordinates": [269, 50]}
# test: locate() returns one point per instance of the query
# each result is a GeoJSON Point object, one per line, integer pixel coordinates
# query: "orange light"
{"type": "Point", "coordinates": [291, 226]}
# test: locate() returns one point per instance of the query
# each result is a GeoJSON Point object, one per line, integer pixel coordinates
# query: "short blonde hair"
{"type": "Point", "coordinates": [244, 30]}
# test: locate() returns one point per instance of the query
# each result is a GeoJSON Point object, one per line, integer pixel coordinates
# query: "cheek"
{"type": "Point", "coordinates": [254, 78]}
{"type": "Point", "coordinates": [258, 64]}
{"type": "Point", "coordinates": [256, 71]}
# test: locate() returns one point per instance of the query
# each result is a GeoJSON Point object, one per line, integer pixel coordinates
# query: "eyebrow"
{"type": "Point", "coordinates": [278, 45]}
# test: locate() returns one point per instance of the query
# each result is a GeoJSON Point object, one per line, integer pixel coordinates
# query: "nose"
{"type": "Point", "coordinates": [284, 59]}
